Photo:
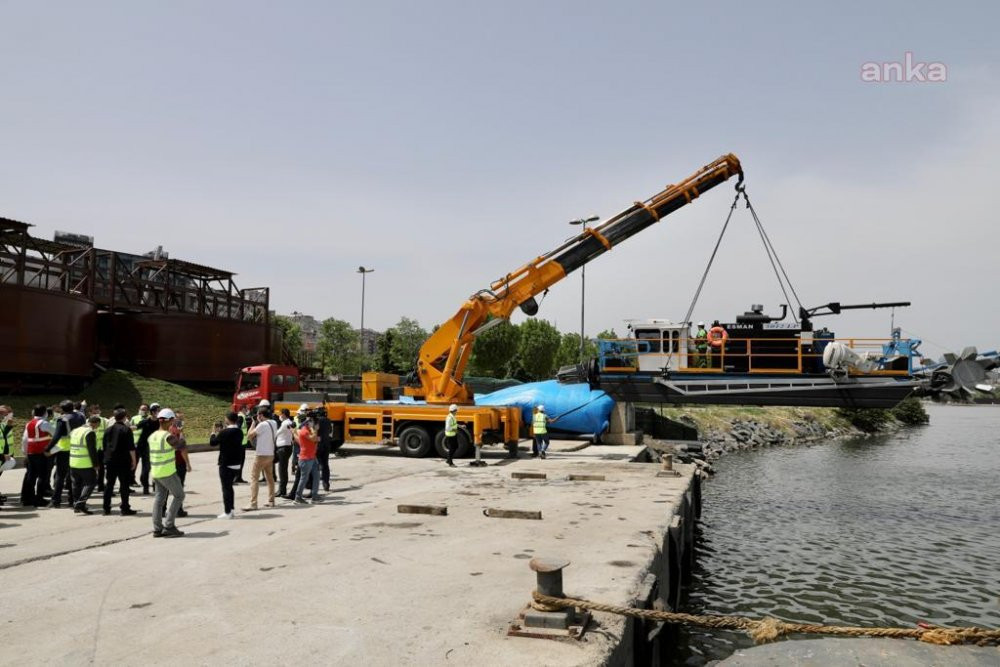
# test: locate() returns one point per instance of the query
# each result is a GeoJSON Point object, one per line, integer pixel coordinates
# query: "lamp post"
{"type": "Point", "coordinates": [361, 339]}
{"type": "Point", "coordinates": [583, 278]}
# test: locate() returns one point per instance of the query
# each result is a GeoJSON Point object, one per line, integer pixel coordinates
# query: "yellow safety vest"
{"type": "Point", "coordinates": [161, 455]}
{"type": "Point", "coordinates": [79, 455]}
{"type": "Point", "coordinates": [450, 425]}
{"type": "Point", "coordinates": [246, 429]}
{"type": "Point", "coordinates": [101, 428]}
{"type": "Point", "coordinates": [135, 420]}
{"type": "Point", "coordinates": [539, 423]}
{"type": "Point", "coordinates": [63, 444]}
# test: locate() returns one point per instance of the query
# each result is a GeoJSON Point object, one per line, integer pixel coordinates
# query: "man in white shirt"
{"type": "Point", "coordinates": [283, 449]}
{"type": "Point", "coordinates": [263, 435]}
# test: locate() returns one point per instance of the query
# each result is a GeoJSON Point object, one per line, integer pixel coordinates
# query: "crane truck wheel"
{"type": "Point", "coordinates": [464, 444]}
{"type": "Point", "coordinates": [415, 442]}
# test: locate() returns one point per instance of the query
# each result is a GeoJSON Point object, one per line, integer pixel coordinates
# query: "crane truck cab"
{"type": "Point", "coordinates": [270, 381]}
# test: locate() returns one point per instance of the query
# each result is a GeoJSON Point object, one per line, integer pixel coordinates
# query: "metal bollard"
{"type": "Point", "coordinates": [668, 467]}
{"type": "Point", "coordinates": [548, 575]}
{"type": "Point", "coordinates": [541, 621]}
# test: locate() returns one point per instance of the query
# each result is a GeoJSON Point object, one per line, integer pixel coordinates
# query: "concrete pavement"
{"type": "Point", "coordinates": [348, 580]}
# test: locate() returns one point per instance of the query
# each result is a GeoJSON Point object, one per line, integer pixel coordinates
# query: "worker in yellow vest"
{"type": "Point", "coordinates": [83, 458]}
{"type": "Point", "coordinates": [68, 421]}
{"type": "Point", "coordinates": [540, 430]}
{"type": "Point", "coordinates": [163, 462]}
{"type": "Point", "coordinates": [95, 409]}
{"type": "Point", "coordinates": [451, 433]}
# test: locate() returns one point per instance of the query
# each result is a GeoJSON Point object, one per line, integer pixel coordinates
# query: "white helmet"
{"type": "Point", "coordinates": [452, 408]}
{"type": "Point", "coordinates": [701, 324]}
{"type": "Point", "coordinates": [165, 413]}
{"type": "Point", "coordinates": [541, 408]}
{"type": "Point", "coordinates": [264, 403]}
{"type": "Point", "coordinates": [304, 408]}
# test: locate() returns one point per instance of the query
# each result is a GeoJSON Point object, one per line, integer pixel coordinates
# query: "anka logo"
{"type": "Point", "coordinates": [908, 71]}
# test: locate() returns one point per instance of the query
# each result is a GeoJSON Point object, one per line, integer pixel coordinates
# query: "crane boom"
{"type": "Point", "coordinates": [444, 355]}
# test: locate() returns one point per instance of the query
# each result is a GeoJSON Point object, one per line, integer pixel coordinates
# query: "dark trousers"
{"type": "Point", "coordinates": [100, 473]}
{"type": "Point", "coordinates": [227, 476]}
{"type": "Point", "coordinates": [62, 479]}
{"type": "Point", "coordinates": [142, 456]}
{"type": "Point", "coordinates": [84, 480]}
{"type": "Point", "coordinates": [35, 475]}
{"type": "Point", "coordinates": [284, 454]}
{"type": "Point", "coordinates": [122, 472]}
{"type": "Point", "coordinates": [451, 444]}
{"type": "Point", "coordinates": [243, 460]}
{"type": "Point", "coordinates": [323, 459]}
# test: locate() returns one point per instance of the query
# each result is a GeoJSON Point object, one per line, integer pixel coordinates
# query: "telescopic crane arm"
{"type": "Point", "coordinates": [444, 355]}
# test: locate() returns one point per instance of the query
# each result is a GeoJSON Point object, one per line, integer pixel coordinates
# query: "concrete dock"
{"type": "Point", "coordinates": [351, 580]}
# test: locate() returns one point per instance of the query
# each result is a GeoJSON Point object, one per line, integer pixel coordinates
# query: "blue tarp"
{"type": "Point", "coordinates": [579, 408]}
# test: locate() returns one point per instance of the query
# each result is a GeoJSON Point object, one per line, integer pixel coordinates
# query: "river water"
{"type": "Point", "coordinates": [886, 531]}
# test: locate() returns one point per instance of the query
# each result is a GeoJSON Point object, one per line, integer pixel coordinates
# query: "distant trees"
{"type": "Point", "coordinates": [338, 347]}
{"type": "Point", "coordinates": [291, 336]}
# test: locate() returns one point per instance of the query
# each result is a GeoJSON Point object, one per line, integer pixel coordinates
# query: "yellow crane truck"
{"type": "Point", "coordinates": [417, 427]}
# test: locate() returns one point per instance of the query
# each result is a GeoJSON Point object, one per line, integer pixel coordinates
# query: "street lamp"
{"type": "Point", "coordinates": [583, 278]}
{"type": "Point", "coordinates": [361, 339]}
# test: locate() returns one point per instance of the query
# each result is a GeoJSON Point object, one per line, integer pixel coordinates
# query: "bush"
{"type": "Point", "coordinates": [868, 420]}
{"type": "Point", "coordinates": [911, 412]}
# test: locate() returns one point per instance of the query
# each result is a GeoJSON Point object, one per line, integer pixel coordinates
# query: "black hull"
{"type": "Point", "coordinates": [799, 391]}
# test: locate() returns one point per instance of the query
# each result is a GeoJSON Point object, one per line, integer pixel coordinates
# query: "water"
{"type": "Point", "coordinates": [886, 531]}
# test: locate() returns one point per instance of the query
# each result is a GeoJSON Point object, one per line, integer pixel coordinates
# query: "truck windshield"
{"type": "Point", "coordinates": [249, 381]}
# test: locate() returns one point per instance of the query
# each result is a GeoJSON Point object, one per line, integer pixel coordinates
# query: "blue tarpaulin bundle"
{"type": "Point", "coordinates": [579, 408]}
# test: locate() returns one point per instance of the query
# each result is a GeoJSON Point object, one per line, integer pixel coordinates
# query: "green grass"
{"type": "Point", "coordinates": [200, 410]}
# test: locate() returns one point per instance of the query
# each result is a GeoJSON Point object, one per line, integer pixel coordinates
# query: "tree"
{"type": "Point", "coordinates": [407, 337]}
{"type": "Point", "coordinates": [383, 353]}
{"type": "Point", "coordinates": [569, 350]}
{"type": "Point", "coordinates": [608, 334]}
{"type": "Point", "coordinates": [291, 336]}
{"type": "Point", "coordinates": [338, 347]}
{"type": "Point", "coordinates": [494, 350]}
{"type": "Point", "coordinates": [536, 353]}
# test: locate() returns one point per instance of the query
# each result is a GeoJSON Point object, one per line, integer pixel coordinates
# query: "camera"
{"type": "Point", "coordinates": [316, 414]}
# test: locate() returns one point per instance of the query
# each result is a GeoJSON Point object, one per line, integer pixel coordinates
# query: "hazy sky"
{"type": "Point", "coordinates": [445, 143]}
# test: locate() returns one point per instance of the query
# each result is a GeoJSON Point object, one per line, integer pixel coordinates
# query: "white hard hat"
{"type": "Point", "coordinates": [701, 324]}
{"type": "Point", "coordinates": [541, 408]}
{"type": "Point", "coordinates": [264, 403]}
{"type": "Point", "coordinates": [166, 413]}
{"type": "Point", "coordinates": [452, 408]}
{"type": "Point", "coordinates": [304, 407]}
{"type": "Point", "coordinates": [154, 406]}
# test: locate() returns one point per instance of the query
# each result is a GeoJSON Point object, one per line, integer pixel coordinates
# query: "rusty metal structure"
{"type": "Point", "coordinates": [69, 307]}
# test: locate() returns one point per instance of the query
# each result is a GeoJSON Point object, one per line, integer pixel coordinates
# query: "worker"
{"type": "Point", "coordinates": [180, 456]}
{"type": "Point", "coordinates": [133, 423]}
{"type": "Point", "coordinates": [540, 430]}
{"type": "Point", "coordinates": [83, 462]}
{"type": "Point", "coordinates": [229, 440]}
{"type": "Point", "coordinates": [34, 443]}
{"type": "Point", "coordinates": [119, 462]}
{"type": "Point", "coordinates": [701, 346]}
{"type": "Point", "coordinates": [146, 427]}
{"type": "Point", "coordinates": [451, 433]}
{"type": "Point", "coordinates": [68, 420]}
{"type": "Point", "coordinates": [162, 445]}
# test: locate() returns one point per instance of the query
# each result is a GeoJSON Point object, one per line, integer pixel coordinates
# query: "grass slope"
{"type": "Point", "coordinates": [201, 410]}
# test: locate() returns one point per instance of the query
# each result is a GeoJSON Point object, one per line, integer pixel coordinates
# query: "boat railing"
{"type": "Point", "coordinates": [750, 355]}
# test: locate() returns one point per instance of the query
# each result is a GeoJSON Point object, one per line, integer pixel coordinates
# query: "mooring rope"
{"type": "Point", "coordinates": [768, 629]}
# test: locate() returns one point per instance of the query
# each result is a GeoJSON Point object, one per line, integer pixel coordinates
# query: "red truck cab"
{"type": "Point", "coordinates": [270, 381]}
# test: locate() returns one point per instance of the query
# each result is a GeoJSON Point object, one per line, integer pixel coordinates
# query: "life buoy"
{"type": "Point", "coordinates": [717, 337]}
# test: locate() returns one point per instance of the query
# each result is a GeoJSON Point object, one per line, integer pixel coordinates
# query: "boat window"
{"type": "Point", "coordinates": [674, 340]}
{"type": "Point", "coordinates": [651, 338]}
{"type": "Point", "coordinates": [249, 381]}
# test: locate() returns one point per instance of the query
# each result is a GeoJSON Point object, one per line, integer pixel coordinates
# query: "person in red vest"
{"type": "Point", "coordinates": [34, 443]}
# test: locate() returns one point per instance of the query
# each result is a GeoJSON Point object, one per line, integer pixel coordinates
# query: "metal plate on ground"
{"type": "Point", "coordinates": [575, 631]}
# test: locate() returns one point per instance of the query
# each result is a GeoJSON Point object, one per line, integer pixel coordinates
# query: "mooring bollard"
{"type": "Point", "coordinates": [668, 466]}
{"type": "Point", "coordinates": [542, 621]}
{"type": "Point", "coordinates": [548, 575]}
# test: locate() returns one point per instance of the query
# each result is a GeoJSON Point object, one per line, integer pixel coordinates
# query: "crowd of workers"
{"type": "Point", "coordinates": [71, 450]}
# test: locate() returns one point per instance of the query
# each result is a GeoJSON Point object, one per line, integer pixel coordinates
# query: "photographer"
{"type": "Point", "coordinates": [283, 448]}
{"type": "Point", "coordinates": [308, 440]}
{"type": "Point", "coordinates": [263, 435]}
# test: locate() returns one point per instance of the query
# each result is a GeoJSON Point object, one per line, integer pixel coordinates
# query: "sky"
{"type": "Point", "coordinates": [445, 143]}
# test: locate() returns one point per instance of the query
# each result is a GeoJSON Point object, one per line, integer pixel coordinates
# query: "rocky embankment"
{"type": "Point", "coordinates": [722, 430]}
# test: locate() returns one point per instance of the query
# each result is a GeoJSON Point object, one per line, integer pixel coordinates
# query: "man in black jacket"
{"type": "Point", "coordinates": [229, 440]}
{"type": "Point", "coordinates": [147, 427]}
{"type": "Point", "coordinates": [119, 461]}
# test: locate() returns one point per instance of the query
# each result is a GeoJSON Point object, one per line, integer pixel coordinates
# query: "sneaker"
{"type": "Point", "coordinates": [250, 508]}
{"type": "Point", "coordinates": [227, 515]}
{"type": "Point", "coordinates": [172, 532]}
{"type": "Point", "coordinates": [326, 487]}
{"type": "Point", "coordinates": [157, 533]}
{"type": "Point", "coordinates": [317, 500]}
{"type": "Point", "coordinates": [451, 463]}
{"type": "Point", "coordinates": [54, 505]}
{"type": "Point", "coordinates": [300, 501]}
{"type": "Point", "coordinates": [543, 455]}
{"type": "Point", "coordinates": [128, 511]}
{"type": "Point", "coordinates": [182, 513]}
{"type": "Point", "coordinates": [270, 503]}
